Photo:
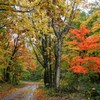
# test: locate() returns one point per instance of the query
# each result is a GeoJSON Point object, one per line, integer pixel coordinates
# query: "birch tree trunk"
{"type": "Point", "coordinates": [58, 64]}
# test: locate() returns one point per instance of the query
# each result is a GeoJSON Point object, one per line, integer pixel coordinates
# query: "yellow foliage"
{"type": "Point", "coordinates": [94, 19]}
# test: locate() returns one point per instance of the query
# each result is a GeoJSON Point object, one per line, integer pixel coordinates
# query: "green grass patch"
{"type": "Point", "coordinates": [5, 86]}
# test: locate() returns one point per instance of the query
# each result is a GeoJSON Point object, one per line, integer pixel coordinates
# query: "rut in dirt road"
{"type": "Point", "coordinates": [26, 93]}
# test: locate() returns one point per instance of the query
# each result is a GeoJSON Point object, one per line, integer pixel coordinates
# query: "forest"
{"type": "Point", "coordinates": [50, 46]}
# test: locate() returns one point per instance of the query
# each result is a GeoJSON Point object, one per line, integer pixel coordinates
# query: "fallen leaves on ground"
{"type": "Point", "coordinates": [39, 94]}
{"type": "Point", "coordinates": [8, 90]}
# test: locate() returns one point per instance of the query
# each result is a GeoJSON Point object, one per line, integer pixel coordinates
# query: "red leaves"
{"type": "Point", "coordinates": [80, 34]}
{"type": "Point", "coordinates": [79, 65]}
{"type": "Point", "coordinates": [79, 69]}
{"type": "Point", "coordinates": [82, 41]}
{"type": "Point", "coordinates": [84, 30]}
{"type": "Point", "coordinates": [90, 43]}
{"type": "Point", "coordinates": [76, 61]}
{"type": "Point", "coordinates": [82, 63]}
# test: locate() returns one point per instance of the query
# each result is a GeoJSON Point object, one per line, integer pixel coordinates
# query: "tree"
{"type": "Point", "coordinates": [13, 37]}
{"type": "Point", "coordinates": [53, 16]}
{"type": "Point", "coordinates": [60, 27]}
{"type": "Point", "coordinates": [83, 62]}
{"type": "Point", "coordinates": [93, 22]}
{"type": "Point", "coordinates": [49, 15]}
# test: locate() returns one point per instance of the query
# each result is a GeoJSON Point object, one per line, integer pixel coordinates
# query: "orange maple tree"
{"type": "Point", "coordinates": [83, 63]}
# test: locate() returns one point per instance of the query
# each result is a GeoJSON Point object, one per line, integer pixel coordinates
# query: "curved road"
{"type": "Point", "coordinates": [25, 93]}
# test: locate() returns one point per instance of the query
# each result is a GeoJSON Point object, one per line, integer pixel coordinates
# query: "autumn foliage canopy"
{"type": "Point", "coordinates": [83, 42]}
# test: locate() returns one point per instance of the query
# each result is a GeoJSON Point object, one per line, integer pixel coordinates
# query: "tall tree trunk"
{"type": "Point", "coordinates": [50, 74]}
{"type": "Point", "coordinates": [4, 74]}
{"type": "Point", "coordinates": [58, 64]}
{"type": "Point", "coordinates": [46, 60]}
{"type": "Point", "coordinates": [50, 65]}
{"type": "Point", "coordinates": [45, 81]}
{"type": "Point", "coordinates": [7, 74]}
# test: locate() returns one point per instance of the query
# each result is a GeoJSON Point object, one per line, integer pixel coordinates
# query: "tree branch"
{"type": "Point", "coordinates": [53, 26]}
{"type": "Point", "coordinates": [38, 48]}
{"type": "Point", "coordinates": [20, 11]}
{"type": "Point", "coordinates": [37, 57]}
{"type": "Point", "coordinates": [66, 28]}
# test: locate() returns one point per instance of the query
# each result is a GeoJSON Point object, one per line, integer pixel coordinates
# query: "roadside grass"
{"type": "Point", "coordinates": [43, 93]}
{"type": "Point", "coordinates": [5, 87]}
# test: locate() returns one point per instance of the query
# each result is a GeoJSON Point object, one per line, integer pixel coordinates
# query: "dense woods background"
{"type": "Point", "coordinates": [53, 41]}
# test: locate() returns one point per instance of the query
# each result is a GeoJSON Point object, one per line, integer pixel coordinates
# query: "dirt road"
{"type": "Point", "coordinates": [25, 93]}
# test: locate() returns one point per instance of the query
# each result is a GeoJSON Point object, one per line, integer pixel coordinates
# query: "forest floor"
{"type": "Point", "coordinates": [45, 94]}
{"type": "Point", "coordinates": [33, 91]}
{"type": "Point", "coordinates": [24, 92]}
